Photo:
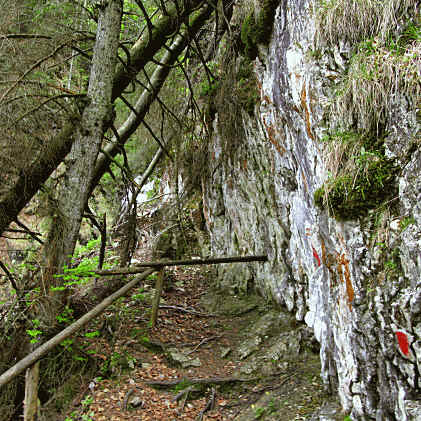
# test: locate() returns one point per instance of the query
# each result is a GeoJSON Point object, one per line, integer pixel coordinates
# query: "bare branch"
{"type": "Point", "coordinates": [34, 235]}
{"type": "Point", "coordinates": [25, 36]}
{"type": "Point", "coordinates": [150, 88]}
{"type": "Point", "coordinates": [42, 104]}
{"type": "Point", "coordinates": [160, 143]}
{"type": "Point", "coordinates": [10, 276]}
{"type": "Point", "coordinates": [147, 18]}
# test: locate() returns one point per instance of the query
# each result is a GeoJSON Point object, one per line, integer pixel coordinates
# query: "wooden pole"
{"type": "Point", "coordinates": [140, 267]}
{"type": "Point", "coordinates": [31, 393]}
{"type": "Point", "coordinates": [34, 356]}
{"type": "Point", "coordinates": [158, 291]}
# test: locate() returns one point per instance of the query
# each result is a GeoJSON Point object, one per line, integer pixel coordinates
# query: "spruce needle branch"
{"type": "Point", "coordinates": [54, 98]}
{"type": "Point", "coordinates": [33, 67]}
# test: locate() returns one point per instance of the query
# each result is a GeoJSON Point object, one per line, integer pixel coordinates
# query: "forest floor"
{"type": "Point", "coordinates": [201, 346]}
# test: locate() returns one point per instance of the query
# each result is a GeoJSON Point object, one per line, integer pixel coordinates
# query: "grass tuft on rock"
{"type": "Point", "coordinates": [361, 177]}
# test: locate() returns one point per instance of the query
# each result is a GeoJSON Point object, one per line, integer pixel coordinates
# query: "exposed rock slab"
{"type": "Point", "coordinates": [328, 273]}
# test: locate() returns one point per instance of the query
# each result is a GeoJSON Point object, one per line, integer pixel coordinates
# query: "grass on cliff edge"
{"type": "Point", "coordinates": [355, 20]}
{"type": "Point", "coordinates": [360, 176]}
{"type": "Point", "coordinates": [384, 38]}
{"type": "Point", "coordinates": [377, 77]}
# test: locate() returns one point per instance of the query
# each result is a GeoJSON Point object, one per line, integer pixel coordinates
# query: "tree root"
{"type": "Point", "coordinates": [163, 384]}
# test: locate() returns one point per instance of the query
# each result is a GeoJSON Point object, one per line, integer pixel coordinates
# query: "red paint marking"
{"type": "Point", "coordinates": [403, 342]}
{"type": "Point", "coordinates": [316, 256]}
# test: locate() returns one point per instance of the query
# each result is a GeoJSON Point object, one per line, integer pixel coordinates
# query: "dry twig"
{"type": "Point", "coordinates": [203, 341]}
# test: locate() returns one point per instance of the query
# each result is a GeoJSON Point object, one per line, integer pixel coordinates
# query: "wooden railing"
{"type": "Point", "coordinates": [43, 349]}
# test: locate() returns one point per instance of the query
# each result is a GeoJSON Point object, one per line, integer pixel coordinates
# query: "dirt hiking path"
{"type": "Point", "coordinates": [210, 357]}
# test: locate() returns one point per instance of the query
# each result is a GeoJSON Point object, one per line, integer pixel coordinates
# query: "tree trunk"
{"type": "Point", "coordinates": [32, 178]}
{"type": "Point", "coordinates": [85, 148]}
{"type": "Point", "coordinates": [71, 204]}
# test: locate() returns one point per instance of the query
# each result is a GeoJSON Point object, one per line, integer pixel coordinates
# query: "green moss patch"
{"type": "Point", "coordinates": [246, 87]}
{"type": "Point", "coordinates": [257, 30]}
{"type": "Point", "coordinates": [364, 181]}
{"type": "Point", "coordinates": [352, 196]}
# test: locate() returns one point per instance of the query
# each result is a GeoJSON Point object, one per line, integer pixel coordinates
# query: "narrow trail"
{"type": "Point", "coordinates": [200, 349]}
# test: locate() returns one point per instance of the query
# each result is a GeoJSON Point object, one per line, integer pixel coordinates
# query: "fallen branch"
{"type": "Point", "coordinates": [257, 393]}
{"type": "Point", "coordinates": [126, 399]}
{"type": "Point", "coordinates": [203, 341]}
{"type": "Point", "coordinates": [209, 406]}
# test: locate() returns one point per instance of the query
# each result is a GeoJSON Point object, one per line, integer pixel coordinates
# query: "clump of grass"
{"type": "Point", "coordinates": [355, 20]}
{"type": "Point", "coordinates": [376, 76]}
{"type": "Point", "coordinates": [385, 39]}
{"type": "Point", "coordinates": [361, 177]}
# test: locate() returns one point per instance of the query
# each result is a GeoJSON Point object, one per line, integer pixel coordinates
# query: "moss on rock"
{"type": "Point", "coordinates": [351, 196]}
{"type": "Point", "coordinates": [257, 30]}
{"type": "Point", "coordinates": [362, 186]}
{"type": "Point", "coordinates": [246, 87]}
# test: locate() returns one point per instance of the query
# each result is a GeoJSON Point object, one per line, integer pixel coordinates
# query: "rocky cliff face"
{"type": "Point", "coordinates": [354, 277]}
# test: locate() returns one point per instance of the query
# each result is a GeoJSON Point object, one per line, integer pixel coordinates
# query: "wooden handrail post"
{"type": "Point", "coordinates": [31, 393]}
{"type": "Point", "coordinates": [157, 297]}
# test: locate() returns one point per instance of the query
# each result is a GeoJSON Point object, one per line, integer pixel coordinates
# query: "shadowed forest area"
{"type": "Point", "coordinates": [95, 98]}
{"type": "Point", "coordinates": [143, 142]}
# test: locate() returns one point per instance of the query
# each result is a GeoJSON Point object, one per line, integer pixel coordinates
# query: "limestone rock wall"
{"type": "Point", "coordinates": [333, 275]}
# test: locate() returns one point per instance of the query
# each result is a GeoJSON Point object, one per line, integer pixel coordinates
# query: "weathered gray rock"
{"type": "Point", "coordinates": [331, 274]}
{"type": "Point", "coordinates": [136, 402]}
{"type": "Point", "coordinates": [328, 412]}
{"type": "Point", "coordinates": [229, 305]}
{"type": "Point", "coordinates": [182, 358]}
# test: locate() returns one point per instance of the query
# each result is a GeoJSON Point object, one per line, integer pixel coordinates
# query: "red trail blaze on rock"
{"type": "Point", "coordinates": [316, 256]}
{"type": "Point", "coordinates": [403, 342]}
